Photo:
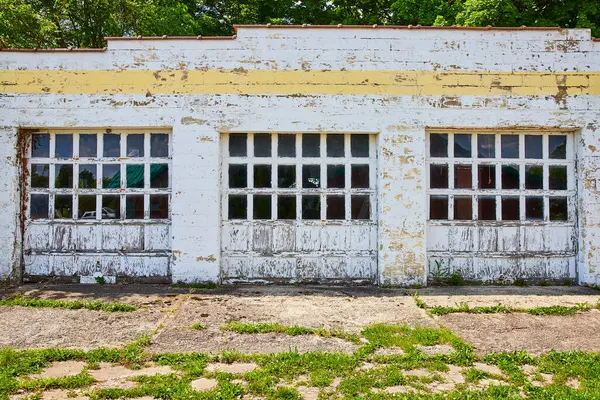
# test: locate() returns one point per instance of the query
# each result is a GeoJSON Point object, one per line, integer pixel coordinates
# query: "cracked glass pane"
{"type": "Point", "coordinates": [311, 176]}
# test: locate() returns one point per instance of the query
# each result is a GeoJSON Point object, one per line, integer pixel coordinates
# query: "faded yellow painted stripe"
{"type": "Point", "coordinates": [288, 82]}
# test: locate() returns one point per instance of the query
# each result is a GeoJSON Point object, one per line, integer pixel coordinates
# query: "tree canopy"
{"type": "Point", "coordinates": [85, 23]}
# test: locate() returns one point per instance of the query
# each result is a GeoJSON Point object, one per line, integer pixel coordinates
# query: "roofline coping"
{"type": "Point", "coordinates": [376, 26]}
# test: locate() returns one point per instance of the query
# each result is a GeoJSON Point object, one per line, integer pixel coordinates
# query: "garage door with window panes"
{"type": "Point", "coordinates": [98, 201]}
{"type": "Point", "coordinates": [505, 195]}
{"type": "Point", "coordinates": [299, 206]}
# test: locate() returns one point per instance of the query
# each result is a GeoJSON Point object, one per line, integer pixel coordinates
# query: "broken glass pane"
{"type": "Point", "coordinates": [286, 145]}
{"type": "Point", "coordinates": [135, 176]}
{"type": "Point", "coordinates": [486, 176]}
{"type": "Point", "coordinates": [159, 176]}
{"type": "Point", "coordinates": [63, 206]}
{"type": "Point", "coordinates": [135, 145]}
{"type": "Point", "coordinates": [558, 177]}
{"type": "Point", "coordinates": [286, 207]}
{"type": "Point", "coordinates": [463, 208]}
{"type": "Point", "coordinates": [63, 176]}
{"type": "Point", "coordinates": [87, 207]}
{"type": "Point", "coordinates": [311, 207]}
{"type": "Point", "coordinates": [559, 209]}
{"type": "Point", "coordinates": [134, 206]}
{"type": "Point", "coordinates": [335, 145]}
{"type": "Point", "coordinates": [111, 207]}
{"type": "Point", "coordinates": [336, 177]}
{"type": "Point", "coordinates": [39, 206]}
{"type": "Point", "coordinates": [360, 176]}
{"type": "Point", "coordinates": [311, 145]}
{"type": "Point", "coordinates": [40, 145]}
{"type": "Point", "coordinates": [262, 145]}
{"type": "Point", "coordinates": [534, 208]}
{"type": "Point", "coordinates": [533, 146]}
{"type": "Point", "coordinates": [64, 146]}
{"type": "Point", "coordinates": [511, 208]}
{"type": "Point", "coordinates": [486, 146]}
{"type": "Point", "coordinates": [510, 146]}
{"type": "Point", "coordinates": [510, 177]}
{"type": "Point", "coordinates": [238, 143]}
{"type": "Point", "coordinates": [462, 145]}
{"type": "Point", "coordinates": [112, 145]}
{"type": "Point", "coordinates": [534, 177]}
{"type": "Point", "coordinates": [359, 145]}
{"type": "Point", "coordinates": [238, 206]}
{"type": "Point", "coordinates": [88, 145]}
{"type": "Point", "coordinates": [438, 207]}
{"type": "Point", "coordinates": [262, 206]}
{"type": "Point", "coordinates": [438, 176]}
{"type": "Point", "coordinates": [286, 176]}
{"type": "Point", "coordinates": [238, 176]}
{"type": "Point", "coordinates": [40, 175]}
{"type": "Point", "coordinates": [87, 176]}
{"type": "Point", "coordinates": [438, 145]}
{"type": "Point", "coordinates": [487, 208]}
{"type": "Point", "coordinates": [463, 178]}
{"type": "Point", "coordinates": [557, 147]}
{"type": "Point", "coordinates": [159, 206]}
{"type": "Point", "coordinates": [262, 176]}
{"type": "Point", "coordinates": [159, 145]}
{"type": "Point", "coordinates": [360, 207]}
{"type": "Point", "coordinates": [311, 176]}
{"type": "Point", "coordinates": [111, 176]}
{"type": "Point", "coordinates": [336, 207]}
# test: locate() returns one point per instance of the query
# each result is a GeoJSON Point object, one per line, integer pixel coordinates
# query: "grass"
{"type": "Point", "coordinates": [195, 285]}
{"type": "Point", "coordinates": [198, 326]}
{"type": "Point", "coordinates": [20, 300]}
{"type": "Point", "coordinates": [295, 330]}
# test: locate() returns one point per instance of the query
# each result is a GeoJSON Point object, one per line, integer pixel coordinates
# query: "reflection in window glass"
{"type": "Point", "coordinates": [63, 206]}
{"type": "Point", "coordinates": [135, 145]}
{"type": "Point", "coordinates": [262, 145]}
{"type": "Point", "coordinates": [487, 208]}
{"type": "Point", "coordinates": [335, 145]}
{"type": "Point", "coordinates": [486, 146]}
{"type": "Point", "coordinates": [237, 205]}
{"type": "Point", "coordinates": [486, 175]}
{"type": "Point", "coordinates": [359, 145]}
{"type": "Point", "coordinates": [40, 145]}
{"type": "Point", "coordinates": [311, 207]}
{"type": "Point", "coordinates": [63, 146]}
{"type": "Point", "coordinates": [286, 176]}
{"type": "Point", "coordinates": [438, 207]}
{"type": "Point", "coordinates": [87, 176]}
{"type": "Point", "coordinates": [336, 207]}
{"type": "Point", "coordinates": [534, 208]}
{"type": "Point", "coordinates": [336, 177]}
{"type": "Point", "coordinates": [159, 176]}
{"type": "Point", "coordinates": [463, 208]}
{"type": "Point", "coordinates": [88, 145]}
{"type": "Point", "coordinates": [511, 208]}
{"type": "Point", "coordinates": [238, 143]}
{"type": "Point", "coordinates": [111, 176]}
{"type": "Point", "coordinates": [438, 176]}
{"type": "Point", "coordinates": [63, 176]}
{"type": "Point", "coordinates": [86, 208]}
{"type": "Point", "coordinates": [111, 207]}
{"type": "Point", "coordinates": [463, 178]}
{"type": "Point", "coordinates": [438, 145]}
{"type": "Point", "coordinates": [557, 147]}
{"type": "Point", "coordinates": [159, 145]}
{"type": "Point", "coordinates": [534, 177]}
{"type": "Point", "coordinates": [510, 177]}
{"type": "Point", "coordinates": [262, 206]}
{"type": "Point", "coordinates": [557, 177]}
{"type": "Point", "coordinates": [286, 207]}
{"type": "Point", "coordinates": [462, 145]}
{"type": "Point", "coordinates": [311, 145]}
{"type": "Point", "coordinates": [558, 209]}
{"type": "Point", "coordinates": [510, 146]}
{"type": "Point", "coordinates": [134, 206]}
{"type": "Point", "coordinates": [311, 176]}
{"type": "Point", "coordinates": [238, 176]}
{"type": "Point", "coordinates": [286, 145]}
{"type": "Point", "coordinates": [262, 176]}
{"type": "Point", "coordinates": [40, 175]}
{"type": "Point", "coordinates": [39, 206]}
{"type": "Point", "coordinates": [112, 145]}
{"type": "Point", "coordinates": [533, 146]}
{"type": "Point", "coordinates": [159, 206]}
{"type": "Point", "coordinates": [135, 176]}
{"type": "Point", "coordinates": [359, 176]}
{"type": "Point", "coordinates": [360, 206]}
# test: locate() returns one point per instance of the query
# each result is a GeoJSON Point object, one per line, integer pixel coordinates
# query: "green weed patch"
{"type": "Point", "coordinates": [20, 300]}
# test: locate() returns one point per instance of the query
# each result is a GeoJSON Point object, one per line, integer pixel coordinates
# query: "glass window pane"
{"type": "Point", "coordinates": [134, 206]}
{"type": "Point", "coordinates": [87, 207]}
{"type": "Point", "coordinates": [238, 176]}
{"type": "Point", "coordinates": [510, 177]}
{"type": "Point", "coordinates": [463, 178]}
{"type": "Point", "coordinates": [311, 145]}
{"type": "Point", "coordinates": [262, 176]}
{"type": "Point", "coordinates": [463, 208]}
{"type": "Point", "coordinates": [286, 207]}
{"type": "Point", "coordinates": [510, 146]}
{"type": "Point", "coordinates": [557, 147]}
{"type": "Point", "coordinates": [39, 206]}
{"type": "Point", "coordinates": [63, 206]}
{"type": "Point", "coordinates": [286, 176]}
{"type": "Point", "coordinates": [135, 176]}
{"type": "Point", "coordinates": [534, 208]}
{"type": "Point", "coordinates": [558, 177]}
{"type": "Point", "coordinates": [63, 146]}
{"type": "Point", "coordinates": [438, 145]}
{"type": "Point", "coordinates": [159, 206]}
{"type": "Point", "coordinates": [87, 176]}
{"type": "Point", "coordinates": [311, 176]}
{"type": "Point", "coordinates": [111, 207]}
{"type": "Point", "coordinates": [438, 176]}
{"type": "Point", "coordinates": [486, 176]}
{"type": "Point", "coordinates": [262, 206]}
{"type": "Point", "coordinates": [63, 176]}
{"type": "Point", "coordinates": [238, 144]}
{"type": "Point", "coordinates": [262, 145]}
{"type": "Point", "coordinates": [238, 206]}
{"type": "Point", "coordinates": [88, 145]}
{"type": "Point", "coordinates": [360, 176]}
{"type": "Point", "coordinates": [40, 145]}
{"type": "Point", "coordinates": [159, 145]}
{"type": "Point", "coordinates": [40, 175]}
{"type": "Point", "coordinates": [534, 178]}
{"type": "Point", "coordinates": [559, 209]}
{"type": "Point", "coordinates": [112, 145]}
{"type": "Point", "coordinates": [486, 146]}
{"type": "Point", "coordinates": [511, 208]}
{"type": "Point", "coordinates": [361, 208]}
{"type": "Point", "coordinates": [487, 208]}
{"type": "Point", "coordinates": [336, 207]}
{"type": "Point", "coordinates": [135, 145]}
{"type": "Point", "coordinates": [438, 207]}
{"type": "Point", "coordinates": [533, 146]}
{"type": "Point", "coordinates": [286, 145]}
{"type": "Point", "coordinates": [336, 176]}
{"type": "Point", "coordinates": [311, 207]}
{"type": "Point", "coordinates": [335, 145]}
{"type": "Point", "coordinates": [159, 176]}
{"type": "Point", "coordinates": [462, 145]}
{"type": "Point", "coordinates": [111, 176]}
{"type": "Point", "coordinates": [359, 145]}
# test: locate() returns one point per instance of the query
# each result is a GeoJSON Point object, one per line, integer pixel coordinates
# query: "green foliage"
{"type": "Point", "coordinates": [296, 330]}
{"type": "Point", "coordinates": [198, 326]}
{"type": "Point", "coordinates": [20, 300]}
{"type": "Point", "coordinates": [196, 285]}
{"type": "Point", "coordinates": [551, 310]}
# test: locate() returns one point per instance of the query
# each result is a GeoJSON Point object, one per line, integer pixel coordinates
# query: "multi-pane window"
{"type": "Point", "coordinates": [99, 176]}
{"type": "Point", "coordinates": [501, 176]}
{"type": "Point", "coordinates": [307, 176]}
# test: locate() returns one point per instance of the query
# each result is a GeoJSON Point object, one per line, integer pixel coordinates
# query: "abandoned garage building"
{"type": "Point", "coordinates": [349, 154]}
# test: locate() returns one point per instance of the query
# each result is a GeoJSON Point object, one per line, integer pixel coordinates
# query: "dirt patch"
{"type": "Point", "coordinates": [61, 369]}
{"type": "Point", "coordinates": [436, 349]}
{"type": "Point", "coordinates": [389, 351]}
{"type": "Point", "coordinates": [204, 384]}
{"type": "Point", "coordinates": [108, 372]}
{"type": "Point", "coordinates": [235, 368]}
